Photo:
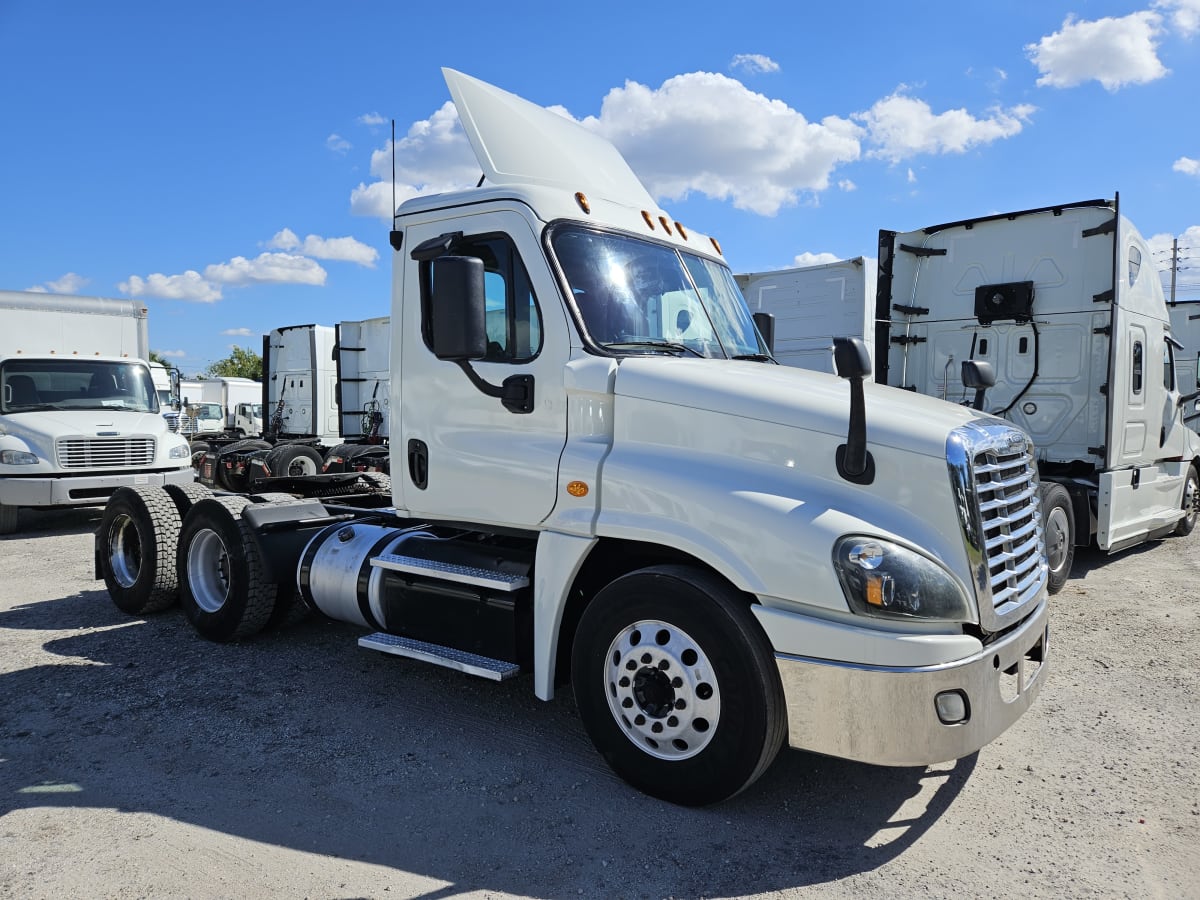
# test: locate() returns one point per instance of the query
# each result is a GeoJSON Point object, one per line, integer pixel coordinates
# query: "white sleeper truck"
{"type": "Point", "coordinates": [1064, 304]}
{"type": "Point", "coordinates": [600, 478]}
{"type": "Point", "coordinates": [363, 353]}
{"type": "Point", "coordinates": [79, 414]}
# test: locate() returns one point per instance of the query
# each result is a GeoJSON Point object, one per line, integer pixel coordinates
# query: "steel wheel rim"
{"type": "Point", "coordinates": [1057, 529]}
{"type": "Point", "coordinates": [662, 690]}
{"type": "Point", "coordinates": [208, 570]}
{"type": "Point", "coordinates": [302, 465]}
{"type": "Point", "coordinates": [124, 551]}
{"type": "Point", "coordinates": [1191, 500]}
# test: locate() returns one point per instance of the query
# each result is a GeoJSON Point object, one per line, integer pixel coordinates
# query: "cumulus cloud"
{"type": "Point", "coordinates": [707, 133]}
{"type": "Point", "coordinates": [900, 126]}
{"type": "Point", "coordinates": [1184, 15]}
{"type": "Point", "coordinates": [191, 286]}
{"type": "Point", "coordinates": [1187, 165]}
{"type": "Point", "coordinates": [371, 119]}
{"type": "Point", "coordinates": [754, 63]}
{"type": "Point", "coordinates": [172, 354]}
{"type": "Point", "coordinates": [266, 268]}
{"type": "Point", "coordinates": [847, 185]}
{"type": "Point", "coordinates": [337, 143]}
{"type": "Point", "coordinates": [68, 284]}
{"type": "Point", "coordinates": [342, 249]}
{"type": "Point", "coordinates": [238, 332]}
{"type": "Point", "coordinates": [433, 157]}
{"type": "Point", "coordinates": [1115, 52]}
{"type": "Point", "coordinates": [806, 259]}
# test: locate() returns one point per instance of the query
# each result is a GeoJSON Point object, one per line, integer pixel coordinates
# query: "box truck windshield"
{"type": "Point", "coordinates": [40, 384]}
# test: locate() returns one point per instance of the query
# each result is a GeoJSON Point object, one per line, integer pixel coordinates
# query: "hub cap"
{"type": "Point", "coordinates": [124, 551]}
{"type": "Point", "coordinates": [1057, 529]}
{"type": "Point", "coordinates": [208, 571]}
{"type": "Point", "coordinates": [662, 690]}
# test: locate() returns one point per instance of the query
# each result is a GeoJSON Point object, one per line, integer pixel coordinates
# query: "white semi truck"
{"type": "Point", "coordinates": [79, 415]}
{"type": "Point", "coordinates": [719, 554]}
{"type": "Point", "coordinates": [362, 353]}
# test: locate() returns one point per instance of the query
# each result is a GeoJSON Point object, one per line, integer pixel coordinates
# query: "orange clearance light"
{"type": "Point", "coordinates": [649, 219]}
{"type": "Point", "coordinates": [716, 246]}
{"type": "Point", "coordinates": [682, 231]}
{"type": "Point", "coordinates": [582, 200]}
{"type": "Point", "coordinates": [875, 591]}
{"type": "Point", "coordinates": [665, 224]}
{"type": "Point", "coordinates": [577, 488]}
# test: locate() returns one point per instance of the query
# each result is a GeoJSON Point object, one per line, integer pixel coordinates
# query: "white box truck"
{"type": "Point", "coordinates": [241, 402]}
{"type": "Point", "coordinates": [719, 554]}
{"type": "Point", "coordinates": [79, 415]}
{"type": "Point", "coordinates": [196, 414]}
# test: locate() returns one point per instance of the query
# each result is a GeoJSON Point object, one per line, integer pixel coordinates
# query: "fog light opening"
{"type": "Point", "coordinates": [952, 707]}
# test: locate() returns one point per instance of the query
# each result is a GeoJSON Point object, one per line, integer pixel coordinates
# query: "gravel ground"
{"type": "Point", "coordinates": [138, 760]}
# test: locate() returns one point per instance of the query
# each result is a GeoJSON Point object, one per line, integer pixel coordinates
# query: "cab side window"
{"type": "Point", "coordinates": [514, 329]}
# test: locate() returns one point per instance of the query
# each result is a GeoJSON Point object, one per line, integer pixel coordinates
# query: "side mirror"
{"type": "Point", "coordinates": [853, 362]}
{"type": "Point", "coordinates": [765, 322]}
{"type": "Point", "coordinates": [979, 376]}
{"type": "Point", "coordinates": [457, 308]}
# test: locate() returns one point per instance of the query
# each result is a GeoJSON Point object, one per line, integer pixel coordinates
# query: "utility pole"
{"type": "Point", "coordinates": [1174, 266]}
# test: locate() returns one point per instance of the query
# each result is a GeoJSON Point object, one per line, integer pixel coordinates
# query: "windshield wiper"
{"type": "Point", "coordinates": [757, 357]}
{"type": "Point", "coordinates": [659, 345]}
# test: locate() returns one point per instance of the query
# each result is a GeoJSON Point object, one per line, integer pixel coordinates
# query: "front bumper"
{"type": "Point", "coordinates": [885, 715]}
{"type": "Point", "coordinates": [83, 490]}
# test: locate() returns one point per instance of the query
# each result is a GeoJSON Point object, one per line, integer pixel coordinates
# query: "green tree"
{"type": "Point", "coordinates": [241, 363]}
{"type": "Point", "coordinates": [156, 357]}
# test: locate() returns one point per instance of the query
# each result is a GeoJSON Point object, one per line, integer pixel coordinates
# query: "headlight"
{"type": "Point", "coordinates": [182, 451]}
{"type": "Point", "coordinates": [888, 581]}
{"type": "Point", "coordinates": [18, 458]}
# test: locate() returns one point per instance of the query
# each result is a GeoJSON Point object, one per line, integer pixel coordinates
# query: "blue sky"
{"type": "Point", "coordinates": [227, 163]}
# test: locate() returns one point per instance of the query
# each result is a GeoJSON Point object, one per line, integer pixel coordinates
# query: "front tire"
{"type": "Point", "coordinates": [1191, 503]}
{"type": "Point", "coordinates": [677, 686]}
{"type": "Point", "coordinates": [1058, 526]}
{"type": "Point", "coordinates": [136, 549]}
{"type": "Point", "coordinates": [8, 519]}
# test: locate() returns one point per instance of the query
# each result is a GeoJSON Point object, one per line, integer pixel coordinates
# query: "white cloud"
{"type": "Point", "coordinates": [189, 286]}
{"type": "Point", "coordinates": [847, 185]}
{"type": "Point", "coordinates": [1114, 52]}
{"type": "Point", "coordinates": [1184, 14]}
{"type": "Point", "coordinates": [900, 127]}
{"type": "Point", "coordinates": [172, 354]}
{"type": "Point", "coordinates": [238, 332]}
{"type": "Point", "coordinates": [912, 177]}
{"type": "Point", "coordinates": [337, 143]}
{"type": "Point", "coordinates": [343, 249]}
{"type": "Point", "coordinates": [68, 284]}
{"type": "Point", "coordinates": [267, 268]}
{"type": "Point", "coordinates": [806, 259]}
{"type": "Point", "coordinates": [432, 158]}
{"type": "Point", "coordinates": [371, 119]}
{"type": "Point", "coordinates": [754, 63]}
{"type": "Point", "coordinates": [1187, 165]}
{"type": "Point", "coordinates": [708, 133]}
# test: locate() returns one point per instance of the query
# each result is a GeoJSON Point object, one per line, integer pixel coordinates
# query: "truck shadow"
{"type": "Point", "coordinates": [32, 522]}
{"type": "Point", "coordinates": [304, 741]}
{"type": "Point", "coordinates": [1089, 559]}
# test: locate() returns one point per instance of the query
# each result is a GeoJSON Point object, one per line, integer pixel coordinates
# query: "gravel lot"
{"type": "Point", "coordinates": [138, 760]}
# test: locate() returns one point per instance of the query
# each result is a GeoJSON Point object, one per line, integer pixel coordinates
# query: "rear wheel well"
{"type": "Point", "coordinates": [608, 560]}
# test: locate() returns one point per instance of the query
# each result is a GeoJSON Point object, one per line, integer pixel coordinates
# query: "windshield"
{"type": "Point", "coordinates": [204, 410]}
{"type": "Point", "coordinates": [636, 296]}
{"type": "Point", "coordinates": [30, 385]}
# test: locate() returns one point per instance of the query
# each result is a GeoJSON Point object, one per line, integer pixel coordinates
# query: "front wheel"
{"type": "Point", "coordinates": [1057, 525]}
{"type": "Point", "coordinates": [1191, 503]}
{"type": "Point", "coordinates": [677, 686]}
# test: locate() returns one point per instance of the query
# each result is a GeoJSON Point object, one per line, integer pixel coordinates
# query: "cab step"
{"type": "Point", "coordinates": [448, 657]}
{"type": "Point", "coordinates": [486, 578]}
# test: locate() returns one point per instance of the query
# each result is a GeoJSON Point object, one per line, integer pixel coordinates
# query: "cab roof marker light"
{"type": "Point", "coordinates": [665, 224]}
{"type": "Point", "coordinates": [682, 231]}
{"type": "Point", "coordinates": [716, 246]}
{"type": "Point", "coordinates": [582, 200]}
{"type": "Point", "coordinates": [649, 219]}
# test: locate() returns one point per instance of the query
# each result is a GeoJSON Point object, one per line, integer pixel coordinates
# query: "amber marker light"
{"type": "Point", "coordinates": [665, 224]}
{"type": "Point", "coordinates": [582, 200]}
{"type": "Point", "coordinates": [649, 219]}
{"type": "Point", "coordinates": [682, 231]}
{"type": "Point", "coordinates": [716, 246]}
{"type": "Point", "coordinates": [577, 488]}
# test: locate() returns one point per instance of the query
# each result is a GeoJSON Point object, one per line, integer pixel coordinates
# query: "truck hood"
{"type": "Point", "coordinates": [50, 424]}
{"type": "Point", "coordinates": [797, 398]}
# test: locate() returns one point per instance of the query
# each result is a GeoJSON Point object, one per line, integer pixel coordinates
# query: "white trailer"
{"type": "Point", "coordinates": [241, 401]}
{"type": "Point", "coordinates": [811, 305]}
{"type": "Point", "coordinates": [720, 554]}
{"type": "Point", "coordinates": [79, 415]}
{"type": "Point", "coordinates": [300, 381]}
{"type": "Point", "coordinates": [1064, 304]}
{"type": "Point", "coordinates": [363, 364]}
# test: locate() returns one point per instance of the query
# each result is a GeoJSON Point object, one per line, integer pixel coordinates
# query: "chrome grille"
{"type": "Point", "coordinates": [105, 453]}
{"type": "Point", "coordinates": [996, 484]}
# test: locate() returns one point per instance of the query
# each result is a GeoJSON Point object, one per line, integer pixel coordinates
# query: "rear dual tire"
{"type": "Point", "coordinates": [136, 544]}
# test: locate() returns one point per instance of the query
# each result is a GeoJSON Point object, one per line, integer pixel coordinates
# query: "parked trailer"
{"type": "Point", "coordinates": [718, 553]}
{"type": "Point", "coordinates": [362, 352]}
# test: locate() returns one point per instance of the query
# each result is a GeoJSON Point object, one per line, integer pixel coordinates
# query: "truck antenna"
{"type": "Point", "coordinates": [395, 238]}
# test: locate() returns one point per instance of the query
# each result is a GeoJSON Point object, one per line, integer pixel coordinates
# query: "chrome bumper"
{"type": "Point", "coordinates": [886, 715]}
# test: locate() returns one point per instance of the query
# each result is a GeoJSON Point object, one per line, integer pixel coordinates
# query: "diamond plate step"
{"type": "Point", "coordinates": [488, 578]}
{"type": "Point", "coordinates": [471, 663]}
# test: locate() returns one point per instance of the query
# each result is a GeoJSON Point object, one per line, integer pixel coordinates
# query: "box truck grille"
{"type": "Point", "coordinates": [105, 453]}
{"type": "Point", "coordinates": [996, 479]}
